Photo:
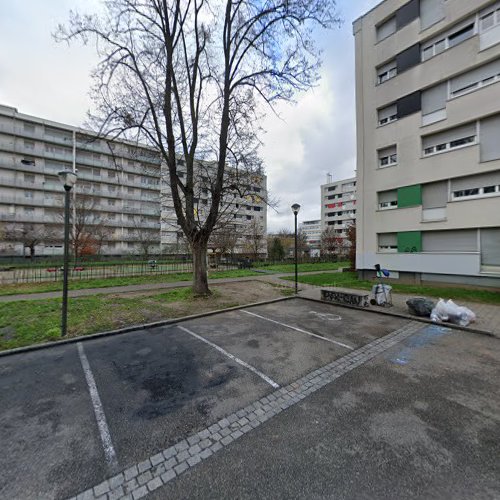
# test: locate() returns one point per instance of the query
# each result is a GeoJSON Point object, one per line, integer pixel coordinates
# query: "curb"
{"type": "Point", "coordinates": [128, 329]}
{"type": "Point", "coordinates": [407, 316]}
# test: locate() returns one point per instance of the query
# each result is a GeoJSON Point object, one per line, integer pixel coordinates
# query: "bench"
{"type": "Point", "coordinates": [359, 299]}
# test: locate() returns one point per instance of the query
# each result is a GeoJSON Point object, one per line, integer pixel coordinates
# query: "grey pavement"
{"type": "Point", "coordinates": [367, 406]}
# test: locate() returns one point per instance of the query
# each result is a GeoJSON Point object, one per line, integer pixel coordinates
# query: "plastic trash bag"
{"type": "Point", "coordinates": [381, 293]}
{"type": "Point", "coordinates": [453, 313]}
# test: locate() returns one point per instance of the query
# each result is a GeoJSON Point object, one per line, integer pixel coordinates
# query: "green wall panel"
{"type": "Point", "coordinates": [410, 196]}
{"type": "Point", "coordinates": [410, 241]}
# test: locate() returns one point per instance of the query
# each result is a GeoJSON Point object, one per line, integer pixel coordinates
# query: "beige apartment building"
{"type": "Point", "coordinates": [428, 140]}
{"type": "Point", "coordinates": [118, 189]}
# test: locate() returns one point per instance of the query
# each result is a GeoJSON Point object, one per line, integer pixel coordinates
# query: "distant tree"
{"type": "Point", "coordinates": [191, 78]}
{"type": "Point", "coordinates": [332, 243]}
{"type": "Point", "coordinates": [148, 240]}
{"type": "Point", "coordinates": [223, 241]}
{"type": "Point", "coordinates": [276, 250]}
{"type": "Point", "coordinates": [351, 238]}
{"type": "Point", "coordinates": [254, 238]}
{"type": "Point", "coordinates": [29, 235]}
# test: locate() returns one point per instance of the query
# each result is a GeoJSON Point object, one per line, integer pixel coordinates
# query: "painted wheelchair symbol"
{"type": "Point", "coordinates": [327, 316]}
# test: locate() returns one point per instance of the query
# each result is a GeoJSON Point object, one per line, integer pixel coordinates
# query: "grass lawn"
{"type": "Point", "coordinates": [349, 280]}
{"type": "Point", "coordinates": [50, 286]}
{"type": "Point", "coordinates": [302, 268]}
{"type": "Point", "coordinates": [24, 323]}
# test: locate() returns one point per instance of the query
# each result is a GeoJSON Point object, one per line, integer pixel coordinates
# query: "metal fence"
{"type": "Point", "coordinates": [90, 272]}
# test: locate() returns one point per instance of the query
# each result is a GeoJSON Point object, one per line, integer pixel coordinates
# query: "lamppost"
{"type": "Point", "coordinates": [295, 210]}
{"type": "Point", "coordinates": [68, 179]}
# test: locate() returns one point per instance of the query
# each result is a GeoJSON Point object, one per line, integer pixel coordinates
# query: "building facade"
{"type": "Point", "coordinates": [312, 230]}
{"type": "Point", "coordinates": [428, 140]}
{"type": "Point", "coordinates": [338, 205]}
{"type": "Point", "coordinates": [118, 196]}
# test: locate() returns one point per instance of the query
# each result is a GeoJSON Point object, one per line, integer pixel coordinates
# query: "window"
{"type": "Point", "coordinates": [487, 21]}
{"type": "Point", "coordinates": [388, 200]}
{"type": "Point", "coordinates": [386, 29]}
{"type": "Point", "coordinates": [111, 174]}
{"type": "Point", "coordinates": [461, 35]}
{"type": "Point", "coordinates": [387, 157]}
{"type": "Point", "coordinates": [29, 178]}
{"type": "Point", "coordinates": [388, 242]}
{"type": "Point", "coordinates": [332, 188]}
{"type": "Point", "coordinates": [464, 240]}
{"type": "Point", "coordinates": [477, 78]}
{"type": "Point", "coordinates": [28, 194]}
{"type": "Point", "coordinates": [388, 114]}
{"type": "Point", "coordinates": [386, 72]}
{"type": "Point", "coordinates": [29, 144]}
{"type": "Point", "coordinates": [408, 58]}
{"type": "Point", "coordinates": [29, 128]}
{"type": "Point", "coordinates": [476, 186]}
{"type": "Point", "coordinates": [434, 103]}
{"type": "Point", "coordinates": [449, 139]}
{"type": "Point", "coordinates": [490, 247]}
{"type": "Point", "coordinates": [28, 161]}
{"type": "Point", "coordinates": [444, 42]}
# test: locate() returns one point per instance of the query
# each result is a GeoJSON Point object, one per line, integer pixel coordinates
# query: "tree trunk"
{"type": "Point", "coordinates": [200, 278]}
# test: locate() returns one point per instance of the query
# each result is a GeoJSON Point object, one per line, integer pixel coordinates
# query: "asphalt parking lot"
{"type": "Point", "coordinates": [294, 399]}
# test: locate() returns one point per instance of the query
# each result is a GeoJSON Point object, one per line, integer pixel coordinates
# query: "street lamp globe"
{"type": "Point", "coordinates": [295, 208]}
{"type": "Point", "coordinates": [67, 178]}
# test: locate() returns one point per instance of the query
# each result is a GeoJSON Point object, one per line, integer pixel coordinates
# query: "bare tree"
{"type": "Point", "coordinates": [332, 243]}
{"type": "Point", "coordinates": [148, 240]}
{"type": "Point", "coordinates": [224, 240]}
{"type": "Point", "coordinates": [188, 78]}
{"type": "Point", "coordinates": [351, 249]}
{"type": "Point", "coordinates": [29, 235]}
{"type": "Point", "coordinates": [255, 238]}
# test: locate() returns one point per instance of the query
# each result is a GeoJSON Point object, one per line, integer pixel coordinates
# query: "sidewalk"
{"type": "Point", "coordinates": [488, 316]}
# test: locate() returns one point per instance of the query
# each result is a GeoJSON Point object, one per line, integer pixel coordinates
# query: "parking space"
{"type": "Point", "coordinates": [76, 414]}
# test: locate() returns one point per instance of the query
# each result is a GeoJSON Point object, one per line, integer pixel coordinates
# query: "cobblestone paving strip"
{"type": "Point", "coordinates": [140, 479]}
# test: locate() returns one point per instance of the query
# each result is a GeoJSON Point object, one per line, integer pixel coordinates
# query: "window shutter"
{"type": "Point", "coordinates": [386, 29]}
{"type": "Point", "coordinates": [388, 239]}
{"type": "Point", "coordinates": [476, 181]}
{"type": "Point", "coordinates": [477, 75]}
{"type": "Point", "coordinates": [490, 138]}
{"type": "Point", "coordinates": [384, 113]}
{"type": "Point", "coordinates": [449, 135]}
{"type": "Point", "coordinates": [392, 150]}
{"type": "Point", "coordinates": [435, 195]}
{"type": "Point", "coordinates": [450, 241]}
{"type": "Point", "coordinates": [387, 196]}
{"type": "Point", "coordinates": [431, 11]}
{"type": "Point", "coordinates": [434, 99]}
{"type": "Point", "coordinates": [410, 196]}
{"type": "Point", "coordinates": [490, 247]}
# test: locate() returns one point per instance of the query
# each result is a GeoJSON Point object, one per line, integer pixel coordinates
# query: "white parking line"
{"type": "Point", "coordinates": [300, 330]}
{"type": "Point", "coordinates": [231, 356]}
{"type": "Point", "coordinates": [109, 451]}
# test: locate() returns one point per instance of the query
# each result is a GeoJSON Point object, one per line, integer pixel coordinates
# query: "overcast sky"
{"type": "Point", "coordinates": [314, 137]}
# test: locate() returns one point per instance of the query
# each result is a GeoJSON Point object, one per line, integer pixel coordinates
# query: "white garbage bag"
{"type": "Point", "coordinates": [453, 313]}
{"type": "Point", "coordinates": [381, 293]}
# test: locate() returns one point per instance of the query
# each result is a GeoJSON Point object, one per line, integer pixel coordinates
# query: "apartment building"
{"type": "Point", "coordinates": [428, 140]}
{"type": "Point", "coordinates": [117, 187]}
{"type": "Point", "coordinates": [312, 230]}
{"type": "Point", "coordinates": [338, 205]}
{"type": "Point", "coordinates": [118, 190]}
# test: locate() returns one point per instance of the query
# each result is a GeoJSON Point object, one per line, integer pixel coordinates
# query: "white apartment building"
{"type": "Point", "coordinates": [118, 180]}
{"type": "Point", "coordinates": [338, 205]}
{"type": "Point", "coordinates": [428, 140]}
{"type": "Point", "coordinates": [312, 230]}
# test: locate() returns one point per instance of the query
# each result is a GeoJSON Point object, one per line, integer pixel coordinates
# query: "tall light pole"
{"type": "Point", "coordinates": [68, 179]}
{"type": "Point", "coordinates": [295, 210]}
